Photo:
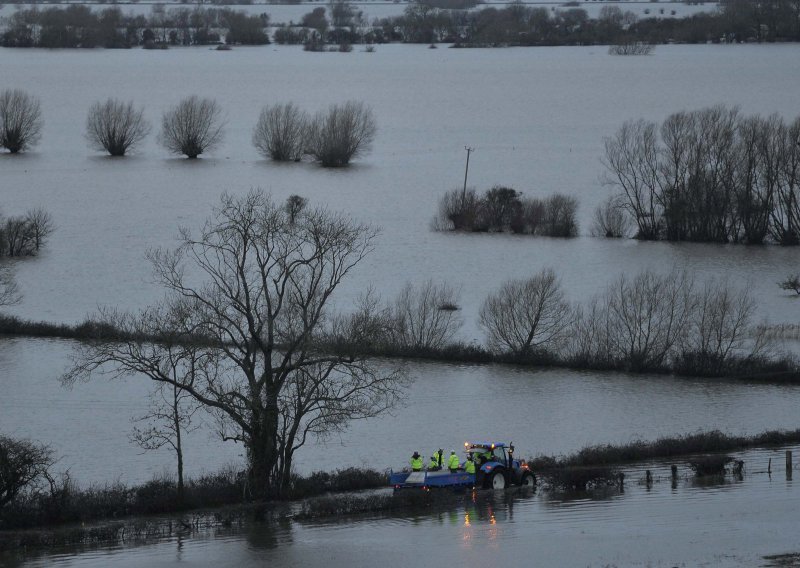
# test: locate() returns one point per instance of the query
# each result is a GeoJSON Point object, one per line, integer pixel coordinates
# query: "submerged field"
{"type": "Point", "coordinates": [536, 117]}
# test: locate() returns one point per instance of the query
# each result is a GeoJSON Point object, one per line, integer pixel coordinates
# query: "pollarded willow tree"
{"type": "Point", "coordinates": [251, 294]}
{"type": "Point", "coordinates": [20, 120]}
{"type": "Point", "coordinates": [343, 132]}
{"type": "Point", "coordinates": [115, 126]}
{"type": "Point", "coordinates": [280, 132]}
{"type": "Point", "coordinates": [192, 127]}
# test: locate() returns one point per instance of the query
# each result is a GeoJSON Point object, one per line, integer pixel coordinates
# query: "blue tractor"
{"type": "Point", "coordinates": [496, 467]}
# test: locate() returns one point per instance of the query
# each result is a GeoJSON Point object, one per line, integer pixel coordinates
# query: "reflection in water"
{"type": "Point", "coordinates": [270, 536]}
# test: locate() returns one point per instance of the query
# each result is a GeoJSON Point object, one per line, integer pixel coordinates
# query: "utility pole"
{"type": "Point", "coordinates": [466, 171]}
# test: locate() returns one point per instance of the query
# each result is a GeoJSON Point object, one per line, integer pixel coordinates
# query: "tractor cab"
{"type": "Point", "coordinates": [495, 466]}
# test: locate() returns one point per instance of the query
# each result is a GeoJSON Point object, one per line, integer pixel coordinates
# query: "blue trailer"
{"type": "Point", "coordinates": [495, 468]}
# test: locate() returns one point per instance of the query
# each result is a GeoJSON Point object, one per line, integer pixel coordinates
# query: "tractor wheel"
{"type": "Point", "coordinates": [498, 480]}
{"type": "Point", "coordinates": [528, 480]}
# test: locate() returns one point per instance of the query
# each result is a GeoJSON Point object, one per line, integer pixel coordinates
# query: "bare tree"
{"type": "Point", "coordinates": [23, 466]}
{"type": "Point", "coordinates": [193, 127]}
{"type": "Point", "coordinates": [254, 289]}
{"type": "Point", "coordinates": [720, 328]}
{"type": "Point", "coordinates": [168, 419]}
{"type": "Point", "coordinates": [632, 163]}
{"type": "Point", "coordinates": [280, 132]}
{"type": "Point", "coordinates": [9, 290]}
{"type": "Point", "coordinates": [25, 235]}
{"type": "Point", "coordinates": [342, 133]}
{"type": "Point", "coordinates": [525, 315]}
{"type": "Point", "coordinates": [785, 225]}
{"type": "Point", "coordinates": [610, 220]}
{"type": "Point", "coordinates": [20, 120]}
{"type": "Point", "coordinates": [425, 317]}
{"type": "Point", "coordinates": [559, 219]}
{"type": "Point", "coordinates": [646, 317]}
{"type": "Point", "coordinates": [40, 227]}
{"type": "Point", "coordinates": [116, 126]}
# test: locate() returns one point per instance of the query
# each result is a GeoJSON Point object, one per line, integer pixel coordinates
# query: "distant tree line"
{"type": "Point", "coordinates": [710, 175]}
{"type": "Point", "coordinates": [422, 22]}
{"type": "Point", "coordinates": [504, 209]}
{"type": "Point", "coordinates": [80, 26]}
{"type": "Point", "coordinates": [518, 24]}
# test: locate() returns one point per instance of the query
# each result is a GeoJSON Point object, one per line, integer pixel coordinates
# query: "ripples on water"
{"type": "Point", "coordinates": [708, 522]}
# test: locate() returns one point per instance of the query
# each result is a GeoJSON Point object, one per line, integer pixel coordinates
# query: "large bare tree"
{"type": "Point", "coordinates": [252, 292]}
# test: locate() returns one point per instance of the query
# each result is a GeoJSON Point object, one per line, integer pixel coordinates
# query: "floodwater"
{"type": "Point", "coordinates": [537, 118]}
{"type": "Point", "coordinates": [708, 522]}
{"type": "Point", "coordinates": [550, 411]}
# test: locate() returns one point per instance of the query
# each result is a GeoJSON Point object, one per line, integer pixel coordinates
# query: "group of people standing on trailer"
{"type": "Point", "coordinates": [437, 462]}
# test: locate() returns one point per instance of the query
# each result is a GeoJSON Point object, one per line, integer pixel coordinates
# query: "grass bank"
{"type": "Point", "coordinates": [65, 502]}
{"type": "Point", "coordinates": [697, 443]}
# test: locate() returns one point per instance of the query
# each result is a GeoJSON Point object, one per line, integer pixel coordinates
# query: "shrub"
{"type": "Point", "coordinates": [20, 120]}
{"type": "Point", "coordinates": [713, 464]}
{"type": "Point", "coordinates": [458, 211]}
{"type": "Point", "coordinates": [581, 478]}
{"type": "Point", "coordinates": [631, 48]}
{"type": "Point", "coordinates": [610, 220]}
{"type": "Point", "coordinates": [503, 209]}
{"type": "Point", "coordinates": [501, 206]}
{"type": "Point", "coordinates": [280, 131]}
{"type": "Point", "coordinates": [24, 467]}
{"type": "Point", "coordinates": [422, 317]}
{"type": "Point", "coordinates": [25, 235]}
{"type": "Point", "coordinates": [192, 127]}
{"type": "Point", "coordinates": [342, 133]}
{"type": "Point", "coordinates": [115, 126]}
{"type": "Point", "coordinates": [560, 216]}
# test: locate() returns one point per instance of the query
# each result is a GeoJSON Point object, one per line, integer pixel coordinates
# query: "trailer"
{"type": "Point", "coordinates": [495, 468]}
{"type": "Point", "coordinates": [431, 479]}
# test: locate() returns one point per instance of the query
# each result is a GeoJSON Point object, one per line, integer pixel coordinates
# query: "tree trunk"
{"type": "Point", "coordinates": [178, 446]}
{"type": "Point", "coordinates": [263, 454]}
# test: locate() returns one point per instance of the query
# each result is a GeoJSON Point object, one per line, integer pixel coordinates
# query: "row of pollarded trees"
{"type": "Point", "coordinates": [710, 175]}
{"type": "Point", "coordinates": [505, 209]}
{"type": "Point", "coordinates": [195, 126]}
{"type": "Point", "coordinates": [648, 322]}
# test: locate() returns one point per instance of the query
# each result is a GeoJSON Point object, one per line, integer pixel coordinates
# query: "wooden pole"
{"type": "Point", "coordinates": [466, 171]}
{"type": "Point", "coordinates": [788, 464]}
